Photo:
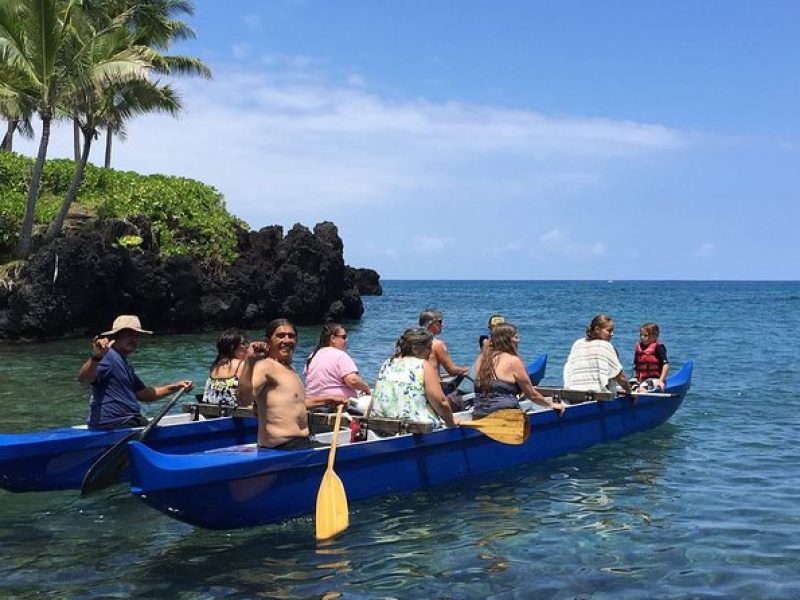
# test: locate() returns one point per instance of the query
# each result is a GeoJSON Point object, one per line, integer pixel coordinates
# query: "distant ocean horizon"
{"type": "Point", "coordinates": [705, 505]}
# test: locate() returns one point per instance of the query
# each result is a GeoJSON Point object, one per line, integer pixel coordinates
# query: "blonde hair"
{"type": "Point", "coordinates": [600, 321]}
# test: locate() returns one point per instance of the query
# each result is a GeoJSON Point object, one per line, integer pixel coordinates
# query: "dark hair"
{"type": "Point", "coordinates": [328, 332]}
{"type": "Point", "coordinates": [413, 342]}
{"type": "Point", "coordinates": [227, 343]}
{"type": "Point", "coordinates": [600, 320]}
{"type": "Point", "coordinates": [428, 316]}
{"type": "Point", "coordinates": [501, 340]}
{"type": "Point", "coordinates": [275, 323]}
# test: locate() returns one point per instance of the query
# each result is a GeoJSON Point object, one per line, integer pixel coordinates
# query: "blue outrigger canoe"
{"type": "Point", "coordinates": [243, 486]}
{"type": "Point", "coordinates": [57, 459]}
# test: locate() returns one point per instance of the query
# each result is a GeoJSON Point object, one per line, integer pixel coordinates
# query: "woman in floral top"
{"type": "Point", "coordinates": [408, 387]}
{"type": "Point", "coordinates": [223, 376]}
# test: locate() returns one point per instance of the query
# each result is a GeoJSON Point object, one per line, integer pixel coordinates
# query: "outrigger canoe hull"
{"type": "Point", "coordinates": [57, 459]}
{"type": "Point", "coordinates": [242, 486]}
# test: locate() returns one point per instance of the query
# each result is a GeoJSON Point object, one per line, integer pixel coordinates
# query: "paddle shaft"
{"type": "Point", "coordinates": [107, 470]}
{"type": "Point", "coordinates": [161, 413]}
{"type": "Point", "coordinates": [335, 438]}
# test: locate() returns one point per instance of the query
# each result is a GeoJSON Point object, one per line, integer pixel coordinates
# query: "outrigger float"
{"type": "Point", "coordinates": [243, 486]}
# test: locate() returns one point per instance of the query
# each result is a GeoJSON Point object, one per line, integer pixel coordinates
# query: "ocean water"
{"type": "Point", "coordinates": [705, 506]}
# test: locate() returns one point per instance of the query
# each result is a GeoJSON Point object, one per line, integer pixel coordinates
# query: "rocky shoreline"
{"type": "Point", "coordinates": [106, 267]}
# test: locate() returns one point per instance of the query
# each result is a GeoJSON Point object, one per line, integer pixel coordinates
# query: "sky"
{"type": "Point", "coordinates": [499, 139]}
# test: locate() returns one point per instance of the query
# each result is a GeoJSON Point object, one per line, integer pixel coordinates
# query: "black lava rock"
{"type": "Point", "coordinates": [80, 282]}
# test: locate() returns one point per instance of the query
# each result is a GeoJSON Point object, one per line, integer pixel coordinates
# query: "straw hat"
{"type": "Point", "coordinates": [126, 322]}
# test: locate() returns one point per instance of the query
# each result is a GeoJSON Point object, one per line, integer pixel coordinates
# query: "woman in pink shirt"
{"type": "Point", "coordinates": [329, 370]}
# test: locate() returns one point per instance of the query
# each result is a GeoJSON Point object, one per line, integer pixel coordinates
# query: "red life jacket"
{"type": "Point", "coordinates": [646, 362]}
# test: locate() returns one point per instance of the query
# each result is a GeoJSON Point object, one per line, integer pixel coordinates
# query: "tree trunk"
{"type": "Point", "coordinates": [109, 139]}
{"type": "Point", "coordinates": [76, 140]}
{"type": "Point", "coordinates": [77, 178]}
{"type": "Point", "coordinates": [26, 232]}
{"type": "Point", "coordinates": [8, 138]}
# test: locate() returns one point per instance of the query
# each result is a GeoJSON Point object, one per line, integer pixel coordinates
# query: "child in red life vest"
{"type": "Point", "coordinates": [650, 363]}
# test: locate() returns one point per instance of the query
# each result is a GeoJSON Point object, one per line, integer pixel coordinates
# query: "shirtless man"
{"type": "Point", "coordinates": [269, 380]}
{"type": "Point", "coordinates": [432, 320]}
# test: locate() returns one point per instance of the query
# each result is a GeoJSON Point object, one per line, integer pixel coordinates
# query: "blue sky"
{"type": "Point", "coordinates": [505, 139]}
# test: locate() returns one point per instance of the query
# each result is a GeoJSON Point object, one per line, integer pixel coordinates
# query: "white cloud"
{"type": "Point", "coordinates": [705, 250]}
{"type": "Point", "coordinates": [287, 142]}
{"type": "Point", "coordinates": [252, 21]}
{"type": "Point", "coordinates": [557, 242]}
{"type": "Point", "coordinates": [241, 51]}
{"type": "Point", "coordinates": [511, 247]}
{"type": "Point", "coordinates": [431, 244]}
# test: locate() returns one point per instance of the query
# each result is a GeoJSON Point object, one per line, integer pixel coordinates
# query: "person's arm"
{"type": "Point", "coordinates": [623, 382]}
{"type": "Point", "coordinates": [248, 385]}
{"type": "Point", "coordinates": [88, 371]}
{"type": "Point", "coordinates": [312, 402]}
{"type": "Point", "coordinates": [529, 390]}
{"type": "Point", "coordinates": [153, 393]}
{"type": "Point", "coordinates": [446, 361]}
{"type": "Point", "coordinates": [354, 381]}
{"type": "Point", "coordinates": [661, 353]}
{"type": "Point", "coordinates": [434, 395]}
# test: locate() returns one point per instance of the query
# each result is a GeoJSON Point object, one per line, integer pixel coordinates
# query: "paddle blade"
{"type": "Point", "coordinates": [108, 469]}
{"type": "Point", "coordinates": [507, 426]}
{"type": "Point", "coordinates": [332, 514]}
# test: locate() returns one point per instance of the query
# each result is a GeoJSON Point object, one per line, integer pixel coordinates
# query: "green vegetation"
{"type": "Point", "coordinates": [92, 62]}
{"type": "Point", "coordinates": [188, 216]}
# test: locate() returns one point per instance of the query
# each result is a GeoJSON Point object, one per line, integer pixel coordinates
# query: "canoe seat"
{"type": "Point", "coordinates": [209, 411]}
{"type": "Point", "coordinates": [379, 425]}
{"type": "Point", "coordinates": [574, 396]}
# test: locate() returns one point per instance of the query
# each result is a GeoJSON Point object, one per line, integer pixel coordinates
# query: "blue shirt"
{"type": "Point", "coordinates": [114, 400]}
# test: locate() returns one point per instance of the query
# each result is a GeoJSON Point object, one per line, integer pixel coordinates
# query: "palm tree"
{"type": "Point", "coordinates": [131, 99]}
{"type": "Point", "coordinates": [16, 124]}
{"type": "Point", "coordinates": [153, 24]}
{"type": "Point", "coordinates": [45, 61]}
{"type": "Point", "coordinates": [31, 36]}
{"type": "Point", "coordinates": [138, 96]}
{"type": "Point", "coordinates": [148, 27]}
{"type": "Point", "coordinates": [17, 113]}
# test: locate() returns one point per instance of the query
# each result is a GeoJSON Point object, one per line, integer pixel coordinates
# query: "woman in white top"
{"type": "Point", "coordinates": [593, 364]}
{"type": "Point", "coordinates": [329, 370]}
{"type": "Point", "coordinates": [223, 376]}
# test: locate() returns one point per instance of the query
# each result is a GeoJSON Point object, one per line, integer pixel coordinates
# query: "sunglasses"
{"type": "Point", "coordinates": [340, 335]}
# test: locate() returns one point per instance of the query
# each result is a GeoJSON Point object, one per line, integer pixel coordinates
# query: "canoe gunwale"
{"type": "Point", "coordinates": [199, 469]}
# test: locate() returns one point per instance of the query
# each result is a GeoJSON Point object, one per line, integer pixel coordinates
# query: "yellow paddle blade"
{"type": "Point", "coordinates": [508, 426]}
{"type": "Point", "coordinates": [332, 515]}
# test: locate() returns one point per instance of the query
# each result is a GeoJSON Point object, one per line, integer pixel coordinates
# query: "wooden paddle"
{"type": "Point", "coordinates": [332, 515]}
{"type": "Point", "coordinates": [508, 426]}
{"type": "Point", "coordinates": [107, 470]}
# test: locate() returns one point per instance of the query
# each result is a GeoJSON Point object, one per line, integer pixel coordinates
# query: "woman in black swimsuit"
{"type": "Point", "coordinates": [501, 377]}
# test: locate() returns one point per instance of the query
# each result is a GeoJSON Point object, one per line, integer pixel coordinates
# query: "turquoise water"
{"type": "Point", "coordinates": [706, 505]}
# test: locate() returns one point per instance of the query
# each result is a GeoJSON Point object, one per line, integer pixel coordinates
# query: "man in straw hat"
{"type": "Point", "coordinates": [116, 389]}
